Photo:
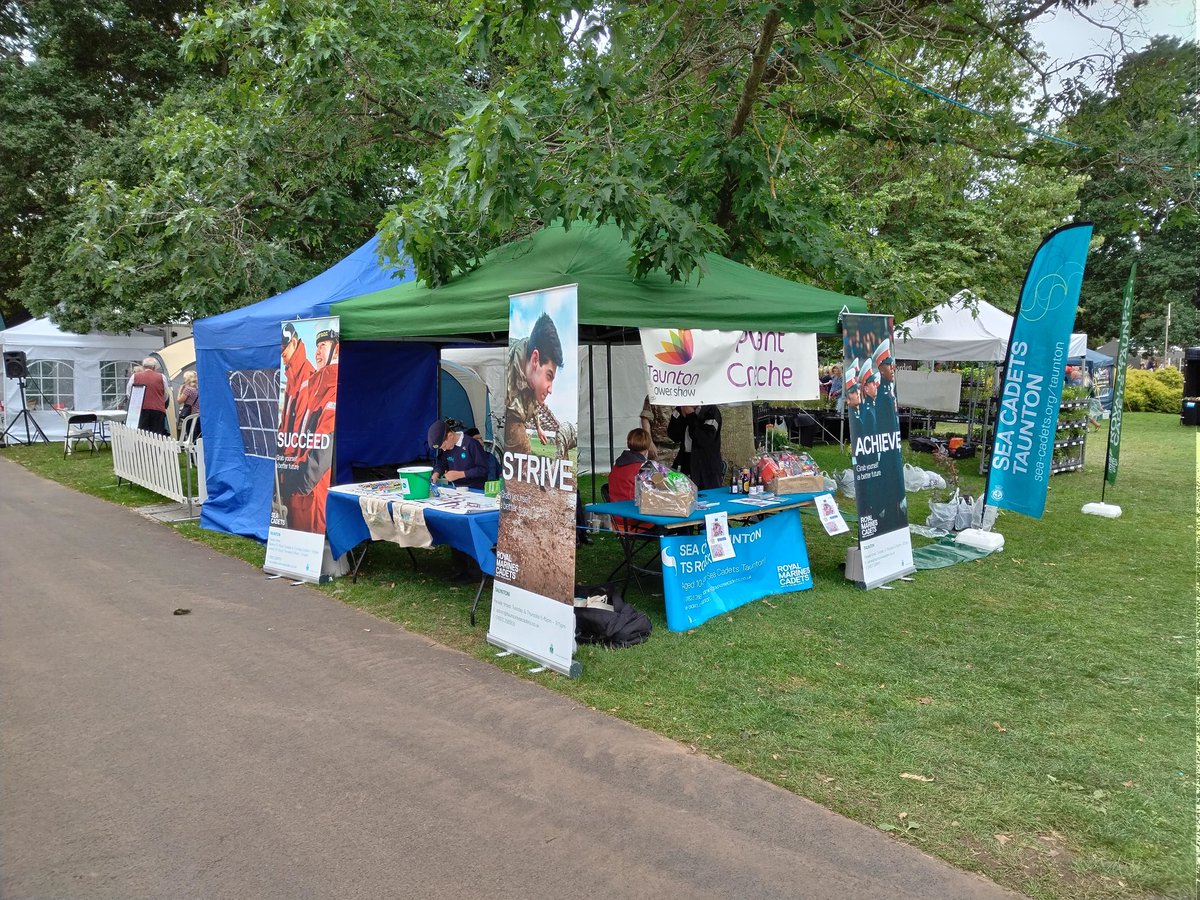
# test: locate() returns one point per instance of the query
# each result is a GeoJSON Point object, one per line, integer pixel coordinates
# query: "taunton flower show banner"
{"type": "Point", "coordinates": [690, 367]}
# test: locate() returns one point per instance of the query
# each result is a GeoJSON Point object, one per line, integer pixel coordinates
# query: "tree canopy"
{"type": "Point", "coordinates": [878, 148]}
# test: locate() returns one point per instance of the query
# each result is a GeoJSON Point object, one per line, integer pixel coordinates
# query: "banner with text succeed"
{"type": "Point", "coordinates": [687, 366]}
{"type": "Point", "coordinates": [304, 446]}
{"type": "Point", "coordinates": [533, 599]}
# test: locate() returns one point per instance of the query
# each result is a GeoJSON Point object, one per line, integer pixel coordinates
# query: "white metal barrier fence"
{"type": "Point", "coordinates": [153, 461]}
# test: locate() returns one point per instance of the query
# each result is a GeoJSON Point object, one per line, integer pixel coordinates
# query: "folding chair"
{"type": "Point", "coordinates": [80, 428]}
{"type": "Point", "coordinates": [639, 550]}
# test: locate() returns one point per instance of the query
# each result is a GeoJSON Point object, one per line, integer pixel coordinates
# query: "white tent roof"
{"type": "Point", "coordinates": [958, 333]}
{"type": "Point", "coordinates": [78, 378]}
{"type": "Point", "coordinates": [44, 333]}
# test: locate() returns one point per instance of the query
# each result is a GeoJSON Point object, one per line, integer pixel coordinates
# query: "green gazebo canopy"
{"type": "Point", "coordinates": [729, 297]}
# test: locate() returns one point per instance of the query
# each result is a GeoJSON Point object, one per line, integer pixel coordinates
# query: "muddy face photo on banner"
{"type": "Point", "coordinates": [305, 441]}
{"type": "Point", "coordinates": [536, 544]}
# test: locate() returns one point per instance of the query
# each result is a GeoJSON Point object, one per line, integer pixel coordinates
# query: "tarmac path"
{"type": "Point", "coordinates": [276, 744]}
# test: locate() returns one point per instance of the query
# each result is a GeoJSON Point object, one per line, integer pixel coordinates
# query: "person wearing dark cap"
{"type": "Point", "coordinates": [461, 460]}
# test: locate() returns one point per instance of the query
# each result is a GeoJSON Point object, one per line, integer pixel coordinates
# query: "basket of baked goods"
{"type": "Point", "coordinates": [660, 491]}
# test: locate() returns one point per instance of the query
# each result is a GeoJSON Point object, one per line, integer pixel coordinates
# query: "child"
{"type": "Point", "coordinates": [624, 471]}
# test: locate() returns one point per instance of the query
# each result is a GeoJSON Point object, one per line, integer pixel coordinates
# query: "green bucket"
{"type": "Point", "coordinates": [415, 482]}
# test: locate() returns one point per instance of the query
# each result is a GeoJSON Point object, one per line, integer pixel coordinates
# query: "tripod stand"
{"type": "Point", "coordinates": [30, 421]}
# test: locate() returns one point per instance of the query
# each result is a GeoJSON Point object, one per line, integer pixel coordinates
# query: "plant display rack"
{"type": "Point", "coordinates": [1070, 443]}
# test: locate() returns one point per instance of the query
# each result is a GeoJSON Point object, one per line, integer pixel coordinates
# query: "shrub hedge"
{"type": "Point", "coordinates": [1158, 391]}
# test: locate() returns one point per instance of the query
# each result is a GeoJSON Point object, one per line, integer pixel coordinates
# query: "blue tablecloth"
{"type": "Point", "coordinates": [473, 533]}
{"type": "Point", "coordinates": [722, 501]}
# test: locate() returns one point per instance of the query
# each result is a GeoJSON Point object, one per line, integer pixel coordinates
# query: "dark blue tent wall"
{"type": "Point", "coordinates": [370, 429]}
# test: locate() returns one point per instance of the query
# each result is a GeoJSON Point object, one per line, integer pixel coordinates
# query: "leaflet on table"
{"type": "Point", "coordinates": [369, 488]}
{"type": "Point", "coordinates": [760, 501]}
{"type": "Point", "coordinates": [450, 501]}
{"type": "Point", "coordinates": [460, 503]}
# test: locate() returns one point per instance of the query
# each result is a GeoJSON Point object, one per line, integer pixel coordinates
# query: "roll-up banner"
{"type": "Point", "coordinates": [1034, 369]}
{"type": "Point", "coordinates": [1118, 392]}
{"type": "Point", "coordinates": [304, 446]}
{"type": "Point", "coordinates": [869, 386]}
{"type": "Point", "coordinates": [686, 366]}
{"type": "Point", "coordinates": [533, 599]}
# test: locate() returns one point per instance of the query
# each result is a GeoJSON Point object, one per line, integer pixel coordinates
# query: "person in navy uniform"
{"type": "Point", "coordinates": [461, 460]}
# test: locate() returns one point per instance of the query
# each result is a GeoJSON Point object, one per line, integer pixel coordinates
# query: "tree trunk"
{"type": "Point", "coordinates": [737, 434]}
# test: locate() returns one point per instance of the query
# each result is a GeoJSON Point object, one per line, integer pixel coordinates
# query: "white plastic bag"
{"type": "Point", "coordinates": [942, 516]}
{"type": "Point", "coordinates": [983, 517]}
{"type": "Point", "coordinates": [934, 481]}
{"type": "Point", "coordinates": [915, 478]}
{"type": "Point", "coordinates": [847, 482]}
{"type": "Point", "coordinates": [964, 513]}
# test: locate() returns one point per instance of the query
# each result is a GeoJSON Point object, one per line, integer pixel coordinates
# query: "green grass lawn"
{"type": "Point", "coordinates": [1030, 716]}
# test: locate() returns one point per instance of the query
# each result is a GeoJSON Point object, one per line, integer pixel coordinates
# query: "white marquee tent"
{"type": "Point", "coordinates": [956, 333]}
{"type": "Point", "coordinates": [73, 371]}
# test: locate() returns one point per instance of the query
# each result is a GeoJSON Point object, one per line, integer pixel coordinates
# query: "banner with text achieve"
{"type": "Point", "coordinates": [688, 367]}
{"type": "Point", "coordinates": [533, 599]}
{"type": "Point", "coordinates": [869, 386]}
{"type": "Point", "coordinates": [1034, 369]}
{"type": "Point", "coordinates": [304, 446]}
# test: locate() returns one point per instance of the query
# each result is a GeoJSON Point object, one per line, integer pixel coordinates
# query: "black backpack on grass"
{"type": "Point", "coordinates": [622, 626]}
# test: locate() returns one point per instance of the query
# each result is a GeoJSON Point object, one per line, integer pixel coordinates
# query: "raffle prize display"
{"type": "Point", "coordinates": [659, 491]}
{"type": "Point", "coordinates": [785, 472]}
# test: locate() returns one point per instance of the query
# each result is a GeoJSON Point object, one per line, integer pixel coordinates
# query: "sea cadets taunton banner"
{"type": "Point", "coordinates": [1034, 370]}
{"type": "Point", "coordinates": [304, 446]}
{"type": "Point", "coordinates": [533, 600]}
{"type": "Point", "coordinates": [1118, 394]}
{"type": "Point", "coordinates": [869, 386]}
{"type": "Point", "coordinates": [771, 558]}
{"type": "Point", "coordinates": [686, 366]}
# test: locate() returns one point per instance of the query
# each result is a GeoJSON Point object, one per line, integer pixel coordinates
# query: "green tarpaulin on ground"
{"type": "Point", "coordinates": [946, 552]}
{"type": "Point", "coordinates": [728, 297]}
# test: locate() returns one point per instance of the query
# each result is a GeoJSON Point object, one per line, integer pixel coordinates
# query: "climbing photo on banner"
{"type": "Point", "coordinates": [1035, 372]}
{"type": "Point", "coordinates": [770, 558]}
{"type": "Point", "coordinates": [304, 446]}
{"type": "Point", "coordinates": [869, 388]}
{"type": "Point", "coordinates": [533, 600]}
{"type": "Point", "coordinates": [692, 367]}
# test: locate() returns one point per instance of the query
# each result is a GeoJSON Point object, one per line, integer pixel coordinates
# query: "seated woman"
{"type": "Point", "coordinates": [624, 471]}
